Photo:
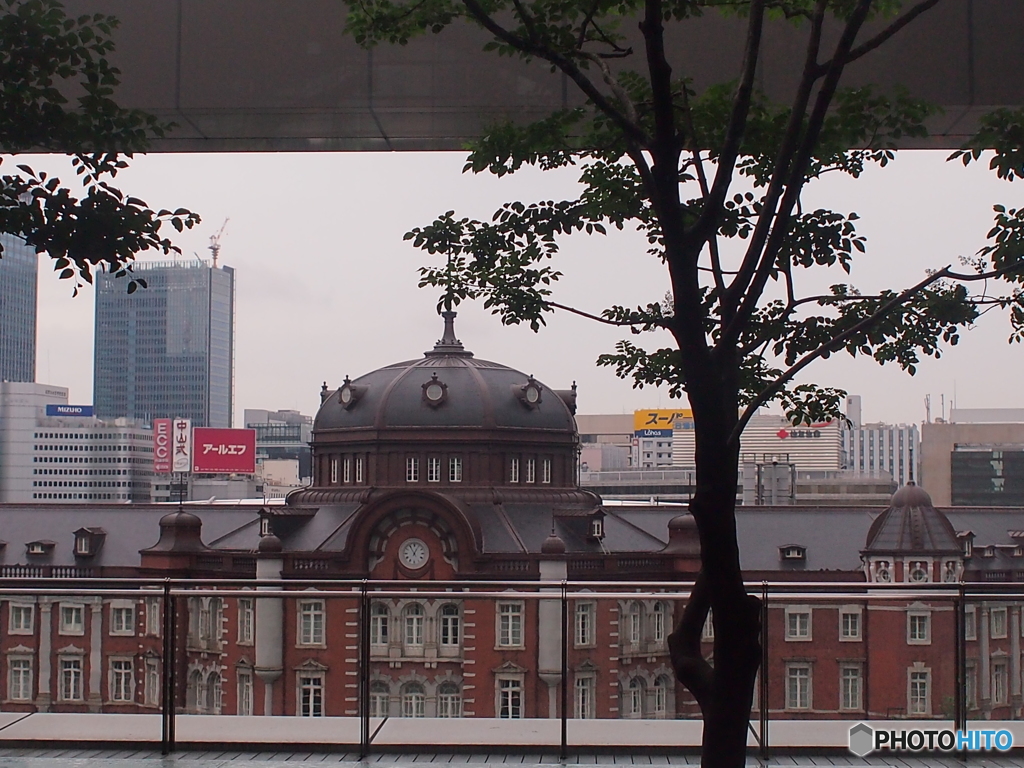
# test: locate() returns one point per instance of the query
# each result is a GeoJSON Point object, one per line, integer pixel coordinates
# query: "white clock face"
{"type": "Point", "coordinates": [413, 554]}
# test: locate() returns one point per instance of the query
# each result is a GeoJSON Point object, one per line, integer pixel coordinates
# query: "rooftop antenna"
{"type": "Point", "coordinates": [928, 409]}
{"type": "Point", "coordinates": [215, 242]}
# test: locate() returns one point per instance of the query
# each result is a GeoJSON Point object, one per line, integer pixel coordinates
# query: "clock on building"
{"type": "Point", "coordinates": [413, 554]}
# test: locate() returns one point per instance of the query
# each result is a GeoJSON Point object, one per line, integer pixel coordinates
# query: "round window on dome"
{"type": "Point", "coordinates": [435, 392]}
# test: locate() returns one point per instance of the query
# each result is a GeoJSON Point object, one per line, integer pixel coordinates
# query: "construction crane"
{"type": "Point", "coordinates": [215, 242]}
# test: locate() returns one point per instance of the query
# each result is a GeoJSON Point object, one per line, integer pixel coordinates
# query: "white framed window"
{"type": "Point", "coordinates": [919, 692]}
{"type": "Point", "coordinates": [246, 619]}
{"type": "Point", "coordinates": [998, 621]}
{"type": "Point", "coordinates": [122, 619]}
{"type": "Point", "coordinates": [72, 619]}
{"type": "Point", "coordinates": [999, 682]}
{"type": "Point", "coordinates": [584, 625]}
{"type": "Point", "coordinates": [346, 470]}
{"type": "Point", "coordinates": [658, 620]}
{"type": "Point", "coordinates": [414, 700]}
{"type": "Point", "coordinates": [245, 692]}
{"type": "Point", "coordinates": [631, 629]}
{"type": "Point", "coordinates": [510, 697]}
{"type": "Point", "coordinates": [359, 469]}
{"type": "Point", "coordinates": [545, 471]}
{"type": "Point", "coordinates": [513, 470]}
{"type": "Point", "coordinates": [414, 619]}
{"type": "Point", "coordinates": [707, 633]}
{"type": "Point", "coordinates": [122, 680]}
{"type": "Point", "coordinates": [849, 625]}
{"type": "Point", "coordinates": [311, 695]}
{"type": "Point", "coordinates": [311, 622]}
{"type": "Point", "coordinates": [334, 470]}
{"type": "Point", "coordinates": [151, 684]}
{"type": "Point", "coordinates": [634, 698]}
{"type": "Point", "coordinates": [433, 470]}
{"type": "Point", "coordinates": [919, 628]}
{"type": "Point", "coordinates": [798, 624]}
{"type": "Point", "coordinates": [455, 470]}
{"type": "Point", "coordinates": [851, 687]}
{"type": "Point", "coordinates": [412, 470]}
{"type": "Point", "coordinates": [583, 694]}
{"type": "Point", "coordinates": [971, 623]}
{"type": "Point", "coordinates": [659, 702]}
{"type": "Point", "coordinates": [449, 700]}
{"type": "Point", "coordinates": [19, 678]}
{"type": "Point", "coordinates": [798, 686]}
{"type": "Point", "coordinates": [153, 616]}
{"type": "Point", "coordinates": [531, 470]}
{"type": "Point", "coordinates": [21, 619]}
{"type": "Point", "coordinates": [70, 687]}
{"type": "Point", "coordinates": [380, 699]}
{"type": "Point", "coordinates": [451, 625]}
{"type": "Point", "coordinates": [510, 625]}
{"type": "Point", "coordinates": [379, 616]}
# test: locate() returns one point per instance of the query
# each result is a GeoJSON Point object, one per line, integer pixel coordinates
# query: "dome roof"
{"type": "Point", "coordinates": [911, 524]}
{"type": "Point", "coordinates": [448, 387]}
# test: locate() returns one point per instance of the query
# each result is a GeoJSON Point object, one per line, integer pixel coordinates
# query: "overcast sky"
{"type": "Point", "coordinates": [326, 287]}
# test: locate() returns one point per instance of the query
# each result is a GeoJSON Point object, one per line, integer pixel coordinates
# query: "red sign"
{"type": "Point", "coordinates": [162, 446]}
{"type": "Point", "coordinates": [224, 450]}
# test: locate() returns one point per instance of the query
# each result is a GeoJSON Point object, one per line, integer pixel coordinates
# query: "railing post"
{"type": "Point", "coordinates": [364, 671]}
{"type": "Point", "coordinates": [564, 752]}
{"type": "Point", "coordinates": [763, 692]}
{"type": "Point", "coordinates": [961, 659]}
{"type": "Point", "coordinates": [167, 683]}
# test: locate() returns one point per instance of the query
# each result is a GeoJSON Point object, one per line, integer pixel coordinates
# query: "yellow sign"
{"type": "Point", "coordinates": [659, 418]}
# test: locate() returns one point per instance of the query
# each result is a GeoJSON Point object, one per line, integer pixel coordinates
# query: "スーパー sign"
{"type": "Point", "coordinates": [224, 450]}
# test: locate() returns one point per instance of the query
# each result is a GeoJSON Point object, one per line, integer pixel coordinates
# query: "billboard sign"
{"type": "Point", "coordinates": [53, 409]}
{"type": "Point", "coordinates": [659, 422]}
{"type": "Point", "coordinates": [224, 450]}
{"type": "Point", "coordinates": [181, 439]}
{"type": "Point", "coordinates": [162, 464]}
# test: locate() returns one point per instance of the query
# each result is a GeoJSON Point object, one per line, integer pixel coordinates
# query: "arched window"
{"type": "Point", "coordinates": [213, 694]}
{"type": "Point", "coordinates": [413, 700]}
{"type": "Point", "coordinates": [414, 624]}
{"type": "Point", "coordinates": [379, 624]}
{"type": "Point", "coordinates": [194, 610]}
{"type": "Point", "coordinates": [449, 700]}
{"type": "Point", "coordinates": [660, 703]}
{"type": "Point", "coordinates": [193, 695]}
{"type": "Point", "coordinates": [658, 622]}
{"type": "Point", "coordinates": [635, 698]}
{"type": "Point", "coordinates": [380, 699]}
{"type": "Point", "coordinates": [633, 623]}
{"type": "Point", "coordinates": [450, 625]}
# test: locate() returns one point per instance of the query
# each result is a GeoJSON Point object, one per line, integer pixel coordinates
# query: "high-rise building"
{"type": "Point", "coordinates": [167, 350]}
{"type": "Point", "coordinates": [18, 267]}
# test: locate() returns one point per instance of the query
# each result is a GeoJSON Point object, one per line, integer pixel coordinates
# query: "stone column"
{"type": "Point", "coordinates": [95, 692]}
{"type": "Point", "coordinates": [549, 622]}
{"type": "Point", "coordinates": [44, 698]}
{"type": "Point", "coordinates": [269, 621]}
{"type": "Point", "coordinates": [984, 665]}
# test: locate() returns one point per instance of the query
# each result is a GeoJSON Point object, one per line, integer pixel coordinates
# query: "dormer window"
{"type": "Point", "coordinates": [349, 394]}
{"type": "Point", "coordinates": [529, 394]}
{"type": "Point", "coordinates": [793, 552]}
{"type": "Point", "coordinates": [88, 541]}
{"type": "Point", "coordinates": [918, 572]}
{"type": "Point", "coordinates": [597, 527]}
{"type": "Point", "coordinates": [967, 542]}
{"type": "Point", "coordinates": [989, 551]}
{"type": "Point", "coordinates": [39, 547]}
{"type": "Point", "coordinates": [265, 526]}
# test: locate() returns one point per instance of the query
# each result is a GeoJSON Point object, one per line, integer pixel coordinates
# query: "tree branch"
{"type": "Point", "coordinates": [870, 45]}
{"type": "Point", "coordinates": [605, 320]}
{"type": "Point", "coordinates": [691, 668]}
{"type": "Point", "coordinates": [632, 131]}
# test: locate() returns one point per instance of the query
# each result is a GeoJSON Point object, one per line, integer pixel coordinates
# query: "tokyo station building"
{"type": "Point", "coordinates": [448, 469]}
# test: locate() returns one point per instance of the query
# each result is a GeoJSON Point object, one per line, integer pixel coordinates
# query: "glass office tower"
{"type": "Point", "coordinates": [18, 269]}
{"type": "Point", "coordinates": [167, 350]}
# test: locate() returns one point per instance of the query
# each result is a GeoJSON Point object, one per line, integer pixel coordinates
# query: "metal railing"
{"type": "Point", "coordinates": [171, 593]}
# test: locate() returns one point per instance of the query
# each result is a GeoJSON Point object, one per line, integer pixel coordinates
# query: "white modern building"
{"type": "Point", "coordinates": [53, 451]}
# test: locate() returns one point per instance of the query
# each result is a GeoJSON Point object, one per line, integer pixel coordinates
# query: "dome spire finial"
{"type": "Point", "coordinates": [448, 344]}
